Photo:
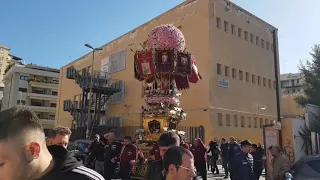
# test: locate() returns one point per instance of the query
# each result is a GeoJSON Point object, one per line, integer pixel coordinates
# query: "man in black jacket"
{"type": "Point", "coordinates": [24, 154]}
{"type": "Point", "coordinates": [96, 151]}
{"type": "Point", "coordinates": [59, 135]}
{"type": "Point", "coordinates": [257, 159]}
{"type": "Point", "coordinates": [111, 156]}
{"type": "Point", "coordinates": [225, 155]}
{"type": "Point", "coordinates": [234, 149]}
{"type": "Point", "coordinates": [155, 168]}
{"type": "Point", "coordinates": [242, 165]}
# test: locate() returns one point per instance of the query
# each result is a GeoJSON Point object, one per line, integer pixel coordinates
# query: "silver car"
{"type": "Point", "coordinates": [307, 168]}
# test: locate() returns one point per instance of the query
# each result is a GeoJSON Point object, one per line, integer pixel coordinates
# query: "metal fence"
{"type": "Point", "coordinates": [121, 132]}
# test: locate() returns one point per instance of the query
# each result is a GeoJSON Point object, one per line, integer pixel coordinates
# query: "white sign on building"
{"type": "Point", "coordinates": [223, 82]}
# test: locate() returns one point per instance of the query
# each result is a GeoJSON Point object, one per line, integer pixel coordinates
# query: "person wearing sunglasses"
{"type": "Point", "coordinates": [178, 164]}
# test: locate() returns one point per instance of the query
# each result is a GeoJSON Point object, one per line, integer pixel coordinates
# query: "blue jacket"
{"type": "Point", "coordinates": [242, 166]}
{"type": "Point", "coordinates": [233, 150]}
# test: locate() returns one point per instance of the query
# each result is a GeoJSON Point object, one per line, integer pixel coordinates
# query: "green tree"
{"type": "Point", "coordinates": [311, 72]}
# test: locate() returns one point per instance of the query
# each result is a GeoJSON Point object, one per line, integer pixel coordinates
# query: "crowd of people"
{"type": "Point", "coordinates": [25, 153]}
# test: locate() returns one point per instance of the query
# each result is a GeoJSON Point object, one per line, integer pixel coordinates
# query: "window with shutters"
{"type": "Point", "coordinates": [226, 26]}
{"type": "Point", "coordinates": [220, 123]}
{"type": "Point", "coordinates": [247, 77]}
{"type": "Point", "coordinates": [117, 61]}
{"type": "Point", "coordinates": [249, 122]}
{"type": "Point", "coordinates": [239, 32]}
{"type": "Point", "coordinates": [233, 29]}
{"type": "Point", "coordinates": [235, 120]}
{"type": "Point", "coordinates": [226, 71]}
{"type": "Point", "coordinates": [218, 22]}
{"type": "Point", "coordinates": [246, 35]}
{"type": "Point", "coordinates": [218, 68]}
{"type": "Point", "coordinates": [241, 75]}
{"type": "Point", "coordinates": [234, 73]}
{"type": "Point", "coordinates": [255, 121]}
{"type": "Point", "coordinates": [251, 38]}
{"type": "Point", "coordinates": [261, 122]}
{"type": "Point", "coordinates": [242, 121]}
{"type": "Point", "coordinates": [118, 97]}
{"type": "Point", "coordinates": [228, 123]}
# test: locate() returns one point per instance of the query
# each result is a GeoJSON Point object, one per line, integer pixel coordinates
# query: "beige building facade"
{"type": "Point", "coordinates": [5, 60]}
{"type": "Point", "coordinates": [34, 86]}
{"type": "Point", "coordinates": [4, 55]}
{"type": "Point", "coordinates": [291, 87]}
{"type": "Point", "coordinates": [234, 53]}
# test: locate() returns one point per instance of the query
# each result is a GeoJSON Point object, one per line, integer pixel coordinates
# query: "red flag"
{"type": "Point", "coordinates": [146, 66]}
{"type": "Point", "coordinates": [195, 75]}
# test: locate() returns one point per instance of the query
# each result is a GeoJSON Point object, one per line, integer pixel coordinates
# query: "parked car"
{"type": "Point", "coordinates": [79, 148]}
{"type": "Point", "coordinates": [307, 168]}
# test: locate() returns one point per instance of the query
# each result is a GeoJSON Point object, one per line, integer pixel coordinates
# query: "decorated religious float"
{"type": "Point", "coordinates": [165, 68]}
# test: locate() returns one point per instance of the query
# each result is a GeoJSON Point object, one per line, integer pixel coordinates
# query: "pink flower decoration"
{"type": "Point", "coordinates": [163, 99]}
{"type": "Point", "coordinates": [166, 36]}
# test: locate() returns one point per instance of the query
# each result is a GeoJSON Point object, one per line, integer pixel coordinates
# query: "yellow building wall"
{"type": "Point", "coordinates": [289, 106]}
{"type": "Point", "coordinates": [205, 99]}
{"type": "Point", "coordinates": [241, 98]}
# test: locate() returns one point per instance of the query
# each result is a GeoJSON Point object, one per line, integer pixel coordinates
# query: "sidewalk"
{"type": "Point", "coordinates": [221, 174]}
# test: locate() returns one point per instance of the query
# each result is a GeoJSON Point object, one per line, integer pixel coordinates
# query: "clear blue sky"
{"type": "Point", "coordinates": [49, 32]}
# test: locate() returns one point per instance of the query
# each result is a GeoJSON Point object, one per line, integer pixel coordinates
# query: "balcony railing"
{"type": "Point", "coordinates": [42, 83]}
{"type": "Point", "coordinates": [42, 108]}
{"type": "Point", "coordinates": [42, 96]}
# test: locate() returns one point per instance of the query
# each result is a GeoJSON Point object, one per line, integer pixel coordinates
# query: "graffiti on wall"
{"type": "Point", "coordinates": [289, 151]}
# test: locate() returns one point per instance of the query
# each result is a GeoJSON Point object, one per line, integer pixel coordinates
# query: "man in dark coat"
{"type": "Point", "coordinates": [234, 149]}
{"type": "Point", "coordinates": [155, 168]}
{"type": "Point", "coordinates": [225, 155]}
{"type": "Point", "coordinates": [257, 159]}
{"type": "Point", "coordinates": [242, 165]}
{"type": "Point", "coordinates": [214, 149]}
{"type": "Point", "coordinates": [96, 151]}
{"type": "Point", "coordinates": [112, 156]}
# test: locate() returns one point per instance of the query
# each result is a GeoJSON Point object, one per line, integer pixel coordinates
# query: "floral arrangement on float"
{"type": "Point", "coordinates": [165, 68]}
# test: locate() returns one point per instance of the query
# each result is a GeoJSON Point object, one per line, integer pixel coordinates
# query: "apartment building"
{"type": "Point", "coordinates": [34, 86]}
{"type": "Point", "coordinates": [291, 86]}
{"type": "Point", "coordinates": [6, 60]}
{"type": "Point", "coordinates": [291, 83]}
{"type": "Point", "coordinates": [235, 56]}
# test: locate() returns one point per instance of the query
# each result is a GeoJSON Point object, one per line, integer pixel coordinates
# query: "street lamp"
{"type": "Point", "coordinates": [90, 92]}
{"type": "Point", "coordinates": [261, 108]}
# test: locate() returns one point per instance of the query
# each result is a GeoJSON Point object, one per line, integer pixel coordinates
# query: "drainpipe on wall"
{"type": "Point", "coordinates": [276, 73]}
